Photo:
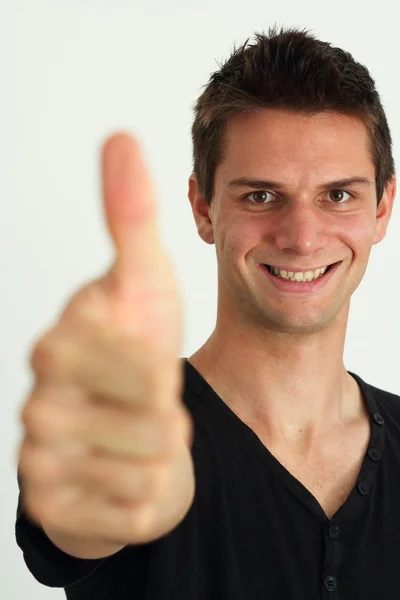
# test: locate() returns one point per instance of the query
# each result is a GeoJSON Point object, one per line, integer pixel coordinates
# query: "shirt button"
{"type": "Point", "coordinates": [330, 583]}
{"type": "Point", "coordinates": [374, 454]}
{"type": "Point", "coordinates": [334, 530]}
{"type": "Point", "coordinates": [378, 418]}
{"type": "Point", "coordinates": [363, 488]}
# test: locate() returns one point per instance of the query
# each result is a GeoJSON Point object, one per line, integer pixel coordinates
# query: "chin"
{"type": "Point", "coordinates": [305, 322]}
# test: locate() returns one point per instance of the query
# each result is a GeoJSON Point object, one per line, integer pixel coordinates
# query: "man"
{"type": "Point", "coordinates": [291, 486]}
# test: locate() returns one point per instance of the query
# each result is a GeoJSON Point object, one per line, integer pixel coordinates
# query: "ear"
{"type": "Point", "coordinates": [201, 211]}
{"type": "Point", "coordinates": [384, 210]}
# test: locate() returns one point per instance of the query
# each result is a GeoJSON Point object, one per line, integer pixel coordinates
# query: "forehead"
{"type": "Point", "coordinates": [295, 146]}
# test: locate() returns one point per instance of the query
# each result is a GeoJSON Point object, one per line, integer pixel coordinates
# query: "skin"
{"type": "Point", "coordinates": [276, 358]}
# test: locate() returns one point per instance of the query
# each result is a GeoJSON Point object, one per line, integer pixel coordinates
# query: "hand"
{"type": "Point", "coordinates": [106, 452]}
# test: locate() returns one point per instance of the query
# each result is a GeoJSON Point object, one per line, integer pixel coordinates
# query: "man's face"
{"type": "Point", "coordinates": [303, 222]}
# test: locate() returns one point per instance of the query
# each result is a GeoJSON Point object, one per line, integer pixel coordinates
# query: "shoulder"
{"type": "Point", "coordinates": [385, 398]}
{"type": "Point", "coordinates": [387, 402]}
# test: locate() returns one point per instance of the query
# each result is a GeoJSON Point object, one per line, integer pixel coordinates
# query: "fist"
{"type": "Point", "coordinates": [106, 451]}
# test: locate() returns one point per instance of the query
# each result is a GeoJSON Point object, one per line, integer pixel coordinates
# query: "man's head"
{"type": "Point", "coordinates": [295, 118]}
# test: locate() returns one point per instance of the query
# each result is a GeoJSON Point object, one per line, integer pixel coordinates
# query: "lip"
{"type": "Point", "coordinates": [298, 287]}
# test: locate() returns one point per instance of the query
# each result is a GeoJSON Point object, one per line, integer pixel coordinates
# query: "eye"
{"type": "Point", "coordinates": [337, 196]}
{"type": "Point", "coordinates": [259, 196]}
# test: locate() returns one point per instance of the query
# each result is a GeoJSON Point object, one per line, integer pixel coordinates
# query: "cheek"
{"type": "Point", "coordinates": [239, 240]}
{"type": "Point", "coordinates": [358, 234]}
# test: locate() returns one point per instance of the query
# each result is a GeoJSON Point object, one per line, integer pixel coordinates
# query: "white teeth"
{"type": "Point", "coordinates": [299, 275]}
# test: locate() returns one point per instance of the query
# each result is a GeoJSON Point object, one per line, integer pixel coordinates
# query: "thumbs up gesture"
{"type": "Point", "coordinates": [105, 460]}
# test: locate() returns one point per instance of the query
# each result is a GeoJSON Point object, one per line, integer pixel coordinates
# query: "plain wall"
{"type": "Point", "coordinates": [73, 72]}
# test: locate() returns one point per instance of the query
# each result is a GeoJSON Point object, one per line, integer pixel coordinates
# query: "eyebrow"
{"type": "Point", "coordinates": [258, 184]}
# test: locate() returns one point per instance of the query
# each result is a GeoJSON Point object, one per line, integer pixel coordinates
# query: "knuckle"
{"type": "Point", "coordinates": [51, 356]}
{"type": "Point", "coordinates": [40, 465]}
{"type": "Point", "coordinates": [26, 414]}
{"type": "Point", "coordinates": [44, 420]}
{"type": "Point", "coordinates": [42, 352]}
{"type": "Point", "coordinates": [86, 304]}
{"type": "Point", "coordinates": [34, 417]}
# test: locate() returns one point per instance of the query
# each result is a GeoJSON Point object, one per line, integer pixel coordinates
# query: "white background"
{"type": "Point", "coordinates": [74, 71]}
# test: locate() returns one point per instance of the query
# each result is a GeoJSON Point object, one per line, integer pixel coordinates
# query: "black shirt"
{"type": "Point", "coordinates": [253, 532]}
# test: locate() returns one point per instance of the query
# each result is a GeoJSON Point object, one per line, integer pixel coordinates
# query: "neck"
{"type": "Point", "coordinates": [293, 386]}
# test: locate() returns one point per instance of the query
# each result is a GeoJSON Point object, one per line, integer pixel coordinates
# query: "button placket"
{"type": "Point", "coordinates": [332, 560]}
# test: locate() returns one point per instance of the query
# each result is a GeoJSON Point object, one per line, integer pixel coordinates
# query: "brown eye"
{"type": "Point", "coordinates": [259, 197]}
{"type": "Point", "coordinates": [337, 196]}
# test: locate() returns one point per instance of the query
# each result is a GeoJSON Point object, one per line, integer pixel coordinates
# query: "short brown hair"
{"type": "Point", "coordinates": [288, 69]}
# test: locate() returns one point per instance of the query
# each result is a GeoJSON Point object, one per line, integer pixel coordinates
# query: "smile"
{"type": "Point", "coordinates": [298, 275]}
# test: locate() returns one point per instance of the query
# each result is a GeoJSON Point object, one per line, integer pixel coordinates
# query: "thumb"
{"type": "Point", "coordinates": [130, 210]}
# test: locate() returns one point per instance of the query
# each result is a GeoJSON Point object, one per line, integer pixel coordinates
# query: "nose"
{"type": "Point", "coordinates": [301, 228]}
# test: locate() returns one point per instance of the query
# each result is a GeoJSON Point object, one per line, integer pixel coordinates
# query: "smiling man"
{"type": "Point", "coordinates": [296, 459]}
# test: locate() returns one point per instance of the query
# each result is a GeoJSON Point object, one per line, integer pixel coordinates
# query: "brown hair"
{"type": "Point", "coordinates": [292, 70]}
